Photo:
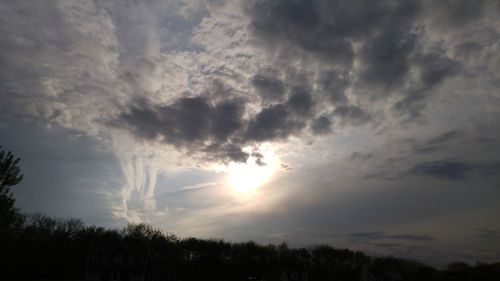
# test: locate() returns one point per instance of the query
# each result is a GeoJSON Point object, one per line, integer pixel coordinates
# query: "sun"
{"type": "Point", "coordinates": [246, 178]}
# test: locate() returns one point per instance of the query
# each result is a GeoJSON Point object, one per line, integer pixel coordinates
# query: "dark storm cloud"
{"type": "Point", "coordinates": [274, 122]}
{"type": "Point", "coordinates": [268, 88]}
{"type": "Point", "coordinates": [458, 12]}
{"type": "Point", "coordinates": [379, 235]}
{"type": "Point", "coordinates": [352, 114]}
{"type": "Point", "coordinates": [300, 102]}
{"type": "Point", "coordinates": [218, 152]}
{"type": "Point", "coordinates": [279, 121]}
{"type": "Point", "coordinates": [334, 85]}
{"type": "Point", "coordinates": [218, 129]}
{"type": "Point", "coordinates": [388, 33]}
{"type": "Point", "coordinates": [321, 126]}
{"type": "Point", "coordinates": [386, 57]}
{"type": "Point", "coordinates": [327, 28]}
{"type": "Point", "coordinates": [190, 122]}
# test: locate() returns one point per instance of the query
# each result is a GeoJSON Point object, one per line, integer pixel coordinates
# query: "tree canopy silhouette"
{"type": "Point", "coordinates": [10, 173]}
{"type": "Point", "coordinates": [10, 219]}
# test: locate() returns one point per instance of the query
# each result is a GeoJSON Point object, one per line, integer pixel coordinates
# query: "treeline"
{"type": "Point", "coordinates": [42, 247]}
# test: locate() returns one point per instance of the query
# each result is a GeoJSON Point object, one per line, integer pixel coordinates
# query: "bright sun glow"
{"type": "Point", "coordinates": [246, 178]}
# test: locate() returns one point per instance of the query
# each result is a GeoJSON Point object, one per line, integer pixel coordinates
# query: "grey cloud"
{"type": "Point", "coordinates": [388, 245]}
{"type": "Point", "coordinates": [358, 155]}
{"type": "Point", "coordinates": [74, 64]}
{"type": "Point", "coordinates": [379, 235]}
{"type": "Point", "coordinates": [321, 125]}
{"type": "Point", "coordinates": [191, 119]}
{"type": "Point", "coordinates": [268, 88]}
{"type": "Point", "coordinates": [443, 138]}
{"type": "Point", "coordinates": [488, 234]}
{"type": "Point", "coordinates": [279, 121]}
{"type": "Point", "coordinates": [453, 13]}
{"type": "Point", "coordinates": [227, 151]}
{"type": "Point", "coordinates": [334, 85]}
{"type": "Point", "coordinates": [20, 75]}
{"type": "Point", "coordinates": [412, 237]}
{"type": "Point", "coordinates": [325, 28]}
{"type": "Point", "coordinates": [217, 128]}
{"type": "Point", "coordinates": [435, 67]}
{"type": "Point", "coordinates": [274, 122]}
{"type": "Point", "coordinates": [172, 20]}
{"type": "Point", "coordinates": [190, 122]}
{"type": "Point", "coordinates": [436, 143]}
{"type": "Point", "coordinates": [386, 58]}
{"type": "Point", "coordinates": [453, 159]}
{"type": "Point", "coordinates": [227, 119]}
{"type": "Point", "coordinates": [455, 170]}
{"type": "Point", "coordinates": [468, 48]}
{"type": "Point", "coordinates": [444, 169]}
{"type": "Point", "coordinates": [390, 39]}
{"type": "Point", "coordinates": [180, 30]}
{"type": "Point", "coordinates": [351, 114]}
{"type": "Point", "coordinates": [300, 101]}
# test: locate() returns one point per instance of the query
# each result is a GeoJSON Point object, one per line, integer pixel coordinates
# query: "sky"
{"type": "Point", "coordinates": [371, 125]}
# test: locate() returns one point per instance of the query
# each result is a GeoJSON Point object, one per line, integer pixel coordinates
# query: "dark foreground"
{"type": "Point", "coordinates": [44, 248]}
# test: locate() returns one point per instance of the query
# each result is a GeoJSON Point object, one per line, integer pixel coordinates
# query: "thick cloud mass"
{"type": "Point", "coordinates": [190, 123]}
{"type": "Point", "coordinates": [268, 87]}
{"type": "Point", "coordinates": [218, 128]}
{"type": "Point", "coordinates": [382, 45]}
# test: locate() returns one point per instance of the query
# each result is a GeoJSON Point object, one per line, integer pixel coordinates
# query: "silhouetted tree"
{"type": "Point", "coordinates": [58, 249]}
{"type": "Point", "coordinates": [10, 173]}
{"type": "Point", "coordinates": [10, 219]}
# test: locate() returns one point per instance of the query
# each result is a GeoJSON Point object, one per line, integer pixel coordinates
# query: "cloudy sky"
{"type": "Point", "coordinates": [371, 125]}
